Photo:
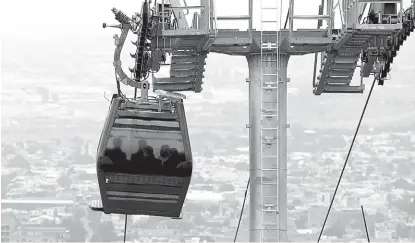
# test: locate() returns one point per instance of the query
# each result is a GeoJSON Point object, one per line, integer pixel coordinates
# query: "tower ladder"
{"type": "Point", "coordinates": [270, 59]}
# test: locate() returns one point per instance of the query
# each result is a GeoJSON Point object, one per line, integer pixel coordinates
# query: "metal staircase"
{"type": "Point", "coordinates": [338, 67]}
{"type": "Point", "coordinates": [339, 64]}
{"type": "Point", "coordinates": [269, 100]}
{"type": "Point", "coordinates": [186, 72]}
{"type": "Point", "coordinates": [190, 48]}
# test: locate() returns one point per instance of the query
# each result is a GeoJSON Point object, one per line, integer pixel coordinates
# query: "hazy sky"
{"type": "Point", "coordinates": [45, 19]}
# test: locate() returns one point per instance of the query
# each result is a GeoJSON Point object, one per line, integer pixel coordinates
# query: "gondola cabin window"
{"type": "Point", "coordinates": [147, 147]}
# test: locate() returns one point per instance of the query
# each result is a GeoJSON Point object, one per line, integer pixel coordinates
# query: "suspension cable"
{"type": "Point", "coordinates": [348, 155]}
{"type": "Point", "coordinates": [125, 227]}
{"type": "Point", "coordinates": [242, 211]}
{"type": "Point", "coordinates": [364, 220]}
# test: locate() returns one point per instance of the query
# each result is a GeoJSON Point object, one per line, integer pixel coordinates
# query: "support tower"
{"type": "Point", "coordinates": [374, 40]}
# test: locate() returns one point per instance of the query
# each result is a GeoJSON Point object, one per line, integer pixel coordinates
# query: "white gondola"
{"type": "Point", "coordinates": [144, 159]}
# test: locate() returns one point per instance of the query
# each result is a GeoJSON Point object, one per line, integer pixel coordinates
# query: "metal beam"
{"type": "Point", "coordinates": [311, 17]}
{"type": "Point", "coordinates": [239, 17]}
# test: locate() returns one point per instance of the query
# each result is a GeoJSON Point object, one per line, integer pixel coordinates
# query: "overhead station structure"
{"type": "Point", "coordinates": [370, 36]}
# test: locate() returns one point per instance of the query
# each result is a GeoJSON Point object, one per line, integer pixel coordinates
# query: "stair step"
{"type": "Point", "coordinates": [343, 65]}
{"type": "Point", "coordinates": [343, 89]}
{"type": "Point", "coordinates": [174, 79]}
{"type": "Point", "coordinates": [345, 59]}
{"type": "Point", "coordinates": [174, 86]}
{"type": "Point", "coordinates": [339, 80]}
{"type": "Point", "coordinates": [182, 73]}
{"type": "Point", "coordinates": [183, 59]}
{"type": "Point", "coordinates": [181, 66]}
{"type": "Point", "coordinates": [347, 54]}
{"type": "Point", "coordinates": [341, 73]}
{"type": "Point", "coordinates": [350, 51]}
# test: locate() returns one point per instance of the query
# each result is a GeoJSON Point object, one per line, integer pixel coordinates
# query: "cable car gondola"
{"type": "Point", "coordinates": [144, 160]}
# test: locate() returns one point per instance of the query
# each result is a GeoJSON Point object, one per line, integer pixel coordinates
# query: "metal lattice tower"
{"type": "Point", "coordinates": [269, 178]}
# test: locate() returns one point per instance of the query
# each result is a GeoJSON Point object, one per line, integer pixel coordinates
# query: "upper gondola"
{"type": "Point", "coordinates": [144, 160]}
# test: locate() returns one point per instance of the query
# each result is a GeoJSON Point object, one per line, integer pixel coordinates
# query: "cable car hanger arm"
{"type": "Point", "coordinates": [125, 25]}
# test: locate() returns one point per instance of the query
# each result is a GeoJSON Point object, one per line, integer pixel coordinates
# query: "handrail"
{"type": "Point", "coordinates": [185, 4]}
{"type": "Point", "coordinates": [320, 17]}
{"type": "Point", "coordinates": [215, 18]}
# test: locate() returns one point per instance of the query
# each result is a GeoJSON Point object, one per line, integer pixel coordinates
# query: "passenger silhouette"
{"type": "Point", "coordinates": [170, 165]}
{"type": "Point", "coordinates": [185, 167]}
{"type": "Point", "coordinates": [150, 163]}
{"type": "Point", "coordinates": [164, 153]}
{"type": "Point", "coordinates": [117, 156]}
{"type": "Point", "coordinates": [137, 158]}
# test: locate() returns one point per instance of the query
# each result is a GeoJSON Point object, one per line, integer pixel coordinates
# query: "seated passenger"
{"type": "Point", "coordinates": [185, 167]}
{"type": "Point", "coordinates": [170, 165]}
{"type": "Point", "coordinates": [164, 153]}
{"type": "Point", "coordinates": [117, 156]}
{"type": "Point", "coordinates": [137, 158]}
{"type": "Point", "coordinates": [150, 164]}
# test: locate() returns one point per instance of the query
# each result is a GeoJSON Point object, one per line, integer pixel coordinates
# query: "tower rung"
{"type": "Point", "coordinates": [269, 183]}
{"type": "Point", "coordinates": [271, 47]}
{"type": "Point", "coordinates": [270, 128]}
{"type": "Point", "coordinates": [270, 74]}
{"type": "Point", "coordinates": [269, 143]}
{"type": "Point", "coordinates": [268, 117]}
{"type": "Point", "coordinates": [274, 102]}
{"type": "Point", "coordinates": [269, 206]}
{"type": "Point", "coordinates": [270, 110]}
{"type": "Point", "coordinates": [270, 210]}
{"type": "Point", "coordinates": [272, 169]}
{"type": "Point", "coordinates": [269, 21]}
{"type": "Point", "coordinates": [270, 196]}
